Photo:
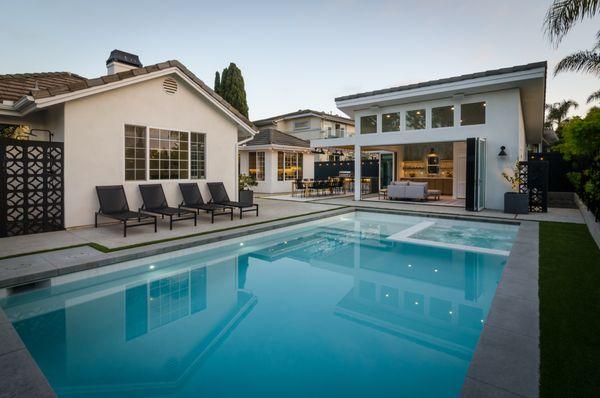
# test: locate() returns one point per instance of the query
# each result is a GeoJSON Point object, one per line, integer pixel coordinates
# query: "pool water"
{"type": "Point", "coordinates": [330, 308]}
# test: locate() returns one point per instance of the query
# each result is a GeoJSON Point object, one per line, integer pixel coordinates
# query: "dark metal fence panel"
{"type": "Point", "coordinates": [534, 180]}
{"type": "Point", "coordinates": [558, 169]}
{"type": "Point", "coordinates": [32, 187]}
{"type": "Point", "coordinates": [324, 170]}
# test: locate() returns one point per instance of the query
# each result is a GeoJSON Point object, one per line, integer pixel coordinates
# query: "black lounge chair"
{"type": "Point", "coordinates": [155, 202]}
{"type": "Point", "coordinates": [113, 204]}
{"type": "Point", "coordinates": [192, 199]}
{"type": "Point", "coordinates": [220, 197]}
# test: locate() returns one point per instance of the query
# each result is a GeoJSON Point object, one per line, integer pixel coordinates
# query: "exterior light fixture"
{"type": "Point", "coordinates": [502, 151]}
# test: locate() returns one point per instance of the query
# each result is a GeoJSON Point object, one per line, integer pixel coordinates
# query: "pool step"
{"type": "Point", "coordinates": [411, 230]}
{"type": "Point", "coordinates": [405, 237]}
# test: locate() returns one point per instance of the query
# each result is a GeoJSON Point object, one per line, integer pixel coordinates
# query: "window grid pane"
{"type": "Point", "coordinates": [280, 157]}
{"type": "Point", "coordinates": [135, 153]}
{"type": "Point", "coordinates": [442, 116]}
{"type": "Point", "coordinates": [198, 155]}
{"type": "Point", "coordinates": [260, 166]}
{"type": "Point", "coordinates": [390, 122]}
{"type": "Point", "coordinates": [415, 120]}
{"type": "Point", "coordinates": [471, 114]}
{"type": "Point", "coordinates": [168, 155]}
{"type": "Point", "coordinates": [368, 124]}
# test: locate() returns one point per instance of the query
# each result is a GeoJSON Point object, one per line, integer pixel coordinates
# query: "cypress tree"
{"type": "Point", "coordinates": [231, 88]}
{"type": "Point", "coordinates": [217, 86]}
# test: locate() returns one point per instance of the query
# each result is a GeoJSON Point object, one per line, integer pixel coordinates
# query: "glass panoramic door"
{"type": "Point", "coordinates": [386, 169]}
{"type": "Point", "coordinates": [476, 159]}
{"type": "Point", "coordinates": [481, 160]}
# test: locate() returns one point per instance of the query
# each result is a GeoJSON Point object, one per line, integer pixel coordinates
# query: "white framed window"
{"type": "Point", "coordinates": [162, 154]}
{"type": "Point", "coordinates": [135, 153]}
{"type": "Point", "coordinates": [197, 156]}
{"type": "Point", "coordinates": [289, 166]}
{"type": "Point", "coordinates": [256, 166]}
{"type": "Point", "coordinates": [169, 154]}
{"type": "Point", "coordinates": [471, 114]}
{"type": "Point", "coordinates": [301, 124]}
{"type": "Point", "coordinates": [368, 124]}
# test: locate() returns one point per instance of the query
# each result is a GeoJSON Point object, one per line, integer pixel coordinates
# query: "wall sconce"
{"type": "Point", "coordinates": [502, 151]}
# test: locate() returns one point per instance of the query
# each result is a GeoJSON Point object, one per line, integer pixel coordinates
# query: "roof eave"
{"type": "Point", "coordinates": [45, 102]}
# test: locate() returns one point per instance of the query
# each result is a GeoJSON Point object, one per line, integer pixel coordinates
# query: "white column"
{"type": "Point", "coordinates": [357, 172]}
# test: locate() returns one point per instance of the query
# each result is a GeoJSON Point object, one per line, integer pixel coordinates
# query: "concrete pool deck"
{"type": "Point", "coordinates": [505, 363]}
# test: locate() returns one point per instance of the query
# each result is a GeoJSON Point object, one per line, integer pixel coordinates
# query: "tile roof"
{"type": "Point", "coordinates": [14, 87]}
{"type": "Point", "coordinates": [324, 115]}
{"type": "Point", "coordinates": [276, 137]}
{"type": "Point", "coordinates": [494, 72]}
{"type": "Point", "coordinates": [19, 85]}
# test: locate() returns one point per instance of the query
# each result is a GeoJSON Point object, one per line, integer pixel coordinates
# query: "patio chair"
{"type": "Point", "coordinates": [155, 201]}
{"type": "Point", "coordinates": [113, 204]}
{"type": "Point", "coordinates": [299, 188]}
{"type": "Point", "coordinates": [220, 197]}
{"type": "Point", "coordinates": [192, 199]}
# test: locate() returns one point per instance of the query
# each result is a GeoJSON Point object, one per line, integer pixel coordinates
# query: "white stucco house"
{"type": "Point", "coordinates": [308, 124]}
{"type": "Point", "coordinates": [276, 159]}
{"type": "Point", "coordinates": [134, 125]}
{"type": "Point", "coordinates": [458, 134]}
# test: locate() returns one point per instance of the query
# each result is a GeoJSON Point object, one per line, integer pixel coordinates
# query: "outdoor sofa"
{"type": "Point", "coordinates": [407, 190]}
{"type": "Point", "coordinates": [113, 204]}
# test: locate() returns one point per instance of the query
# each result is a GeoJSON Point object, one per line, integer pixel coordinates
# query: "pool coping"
{"type": "Point", "coordinates": [20, 375]}
{"type": "Point", "coordinates": [506, 360]}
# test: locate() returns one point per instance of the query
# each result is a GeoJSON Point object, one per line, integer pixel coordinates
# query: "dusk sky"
{"type": "Point", "coordinates": [299, 54]}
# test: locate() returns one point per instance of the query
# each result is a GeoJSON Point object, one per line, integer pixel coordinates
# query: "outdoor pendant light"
{"type": "Point", "coordinates": [502, 151]}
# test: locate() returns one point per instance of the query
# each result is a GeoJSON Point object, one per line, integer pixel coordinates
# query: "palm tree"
{"type": "Point", "coordinates": [558, 112]}
{"type": "Point", "coordinates": [560, 18]}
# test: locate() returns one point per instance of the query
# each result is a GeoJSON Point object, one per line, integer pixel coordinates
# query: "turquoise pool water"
{"type": "Point", "coordinates": [330, 309]}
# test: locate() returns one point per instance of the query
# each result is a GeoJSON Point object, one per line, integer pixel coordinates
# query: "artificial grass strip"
{"type": "Point", "coordinates": [569, 311]}
{"type": "Point", "coordinates": [105, 249]}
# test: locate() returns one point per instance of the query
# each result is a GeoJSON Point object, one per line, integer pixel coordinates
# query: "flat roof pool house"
{"type": "Point", "coordinates": [456, 134]}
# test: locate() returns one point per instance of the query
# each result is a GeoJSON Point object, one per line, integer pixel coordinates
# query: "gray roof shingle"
{"type": "Point", "coordinates": [276, 137]}
{"type": "Point", "coordinates": [14, 87]}
{"type": "Point", "coordinates": [324, 115]}
{"type": "Point", "coordinates": [494, 72]}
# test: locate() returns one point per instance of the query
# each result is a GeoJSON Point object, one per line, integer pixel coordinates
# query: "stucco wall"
{"type": "Point", "coordinates": [271, 184]}
{"type": "Point", "coordinates": [502, 127]}
{"type": "Point", "coordinates": [94, 142]}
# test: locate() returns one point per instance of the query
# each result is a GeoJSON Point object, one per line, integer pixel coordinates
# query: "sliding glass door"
{"type": "Point", "coordinates": [476, 159]}
{"type": "Point", "coordinates": [386, 169]}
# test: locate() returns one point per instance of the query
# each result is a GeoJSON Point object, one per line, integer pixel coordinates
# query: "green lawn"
{"type": "Point", "coordinates": [569, 311]}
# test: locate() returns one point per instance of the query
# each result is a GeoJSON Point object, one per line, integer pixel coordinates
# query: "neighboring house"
{"type": "Point", "coordinates": [458, 133]}
{"type": "Point", "coordinates": [136, 125]}
{"type": "Point", "coordinates": [311, 125]}
{"type": "Point", "coordinates": [276, 159]}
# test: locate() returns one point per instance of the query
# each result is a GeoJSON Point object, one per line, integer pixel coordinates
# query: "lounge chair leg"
{"type": "Point", "coordinates": [195, 220]}
{"type": "Point", "coordinates": [231, 212]}
{"type": "Point", "coordinates": [212, 217]}
{"type": "Point", "coordinates": [124, 228]}
{"type": "Point", "coordinates": [155, 225]}
{"type": "Point", "coordinates": [96, 221]}
{"type": "Point", "coordinates": [256, 210]}
{"type": "Point", "coordinates": [241, 213]}
{"type": "Point", "coordinates": [170, 223]}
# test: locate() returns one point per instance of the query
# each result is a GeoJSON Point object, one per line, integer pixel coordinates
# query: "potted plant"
{"type": "Point", "coordinates": [515, 202]}
{"type": "Point", "coordinates": [246, 195]}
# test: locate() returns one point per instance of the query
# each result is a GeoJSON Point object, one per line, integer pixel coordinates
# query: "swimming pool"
{"type": "Point", "coordinates": [345, 306]}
